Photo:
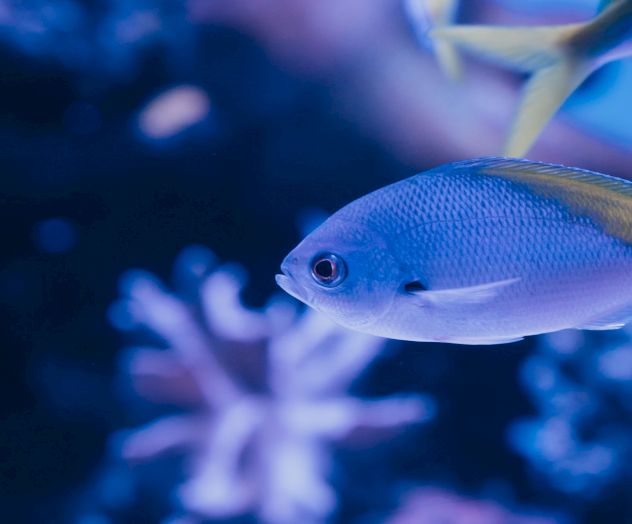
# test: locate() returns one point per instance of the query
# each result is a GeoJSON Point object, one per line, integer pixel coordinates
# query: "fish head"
{"type": "Point", "coordinates": [343, 270]}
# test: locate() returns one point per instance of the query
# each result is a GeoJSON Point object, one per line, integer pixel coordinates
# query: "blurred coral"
{"type": "Point", "coordinates": [104, 39]}
{"type": "Point", "coordinates": [432, 505]}
{"type": "Point", "coordinates": [265, 393]}
{"type": "Point", "coordinates": [580, 385]}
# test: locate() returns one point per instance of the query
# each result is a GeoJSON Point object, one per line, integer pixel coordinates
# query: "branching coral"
{"type": "Point", "coordinates": [432, 505]}
{"type": "Point", "coordinates": [580, 385]}
{"type": "Point", "coordinates": [264, 393]}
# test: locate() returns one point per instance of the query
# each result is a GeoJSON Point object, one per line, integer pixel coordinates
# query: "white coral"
{"type": "Point", "coordinates": [434, 505]}
{"type": "Point", "coordinates": [259, 447]}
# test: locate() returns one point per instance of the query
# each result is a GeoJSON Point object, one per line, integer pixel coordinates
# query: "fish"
{"type": "Point", "coordinates": [558, 57]}
{"type": "Point", "coordinates": [477, 252]}
{"type": "Point", "coordinates": [425, 14]}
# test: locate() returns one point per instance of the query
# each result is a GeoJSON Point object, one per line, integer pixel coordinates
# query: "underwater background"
{"type": "Point", "coordinates": [159, 159]}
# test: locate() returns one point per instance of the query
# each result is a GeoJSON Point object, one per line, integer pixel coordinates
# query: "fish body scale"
{"type": "Point", "coordinates": [484, 251]}
{"type": "Point", "coordinates": [459, 229]}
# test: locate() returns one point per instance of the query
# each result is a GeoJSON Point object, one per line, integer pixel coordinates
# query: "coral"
{"type": "Point", "coordinates": [103, 38]}
{"type": "Point", "coordinates": [433, 505]}
{"type": "Point", "coordinates": [580, 385]}
{"type": "Point", "coordinates": [264, 394]}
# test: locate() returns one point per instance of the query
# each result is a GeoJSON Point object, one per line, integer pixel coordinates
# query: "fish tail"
{"type": "Point", "coordinates": [449, 60]}
{"type": "Point", "coordinates": [446, 52]}
{"type": "Point", "coordinates": [423, 15]}
{"type": "Point", "coordinates": [544, 94]}
{"type": "Point", "coordinates": [557, 69]}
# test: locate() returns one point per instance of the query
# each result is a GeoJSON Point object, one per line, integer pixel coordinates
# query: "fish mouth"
{"type": "Point", "coordinates": [289, 285]}
{"type": "Point", "coordinates": [288, 282]}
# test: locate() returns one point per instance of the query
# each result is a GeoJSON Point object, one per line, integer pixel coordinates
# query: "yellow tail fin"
{"type": "Point", "coordinates": [543, 51]}
{"type": "Point", "coordinates": [423, 15]}
{"type": "Point", "coordinates": [544, 94]}
{"type": "Point", "coordinates": [443, 13]}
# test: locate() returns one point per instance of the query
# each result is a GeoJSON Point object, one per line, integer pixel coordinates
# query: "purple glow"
{"type": "Point", "coordinates": [174, 111]}
{"type": "Point", "coordinates": [430, 505]}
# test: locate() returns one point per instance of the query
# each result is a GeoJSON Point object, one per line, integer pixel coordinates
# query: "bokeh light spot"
{"type": "Point", "coordinates": [173, 111]}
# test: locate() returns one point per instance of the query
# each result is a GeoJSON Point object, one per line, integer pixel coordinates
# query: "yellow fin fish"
{"type": "Point", "coordinates": [559, 59]}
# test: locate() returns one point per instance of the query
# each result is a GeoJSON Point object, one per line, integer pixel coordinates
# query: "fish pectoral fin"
{"type": "Point", "coordinates": [612, 320]}
{"type": "Point", "coordinates": [458, 296]}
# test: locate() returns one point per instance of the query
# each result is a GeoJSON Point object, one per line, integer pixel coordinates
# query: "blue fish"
{"type": "Point", "coordinates": [482, 251]}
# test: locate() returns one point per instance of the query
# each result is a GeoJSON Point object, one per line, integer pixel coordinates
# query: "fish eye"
{"type": "Point", "coordinates": [328, 269]}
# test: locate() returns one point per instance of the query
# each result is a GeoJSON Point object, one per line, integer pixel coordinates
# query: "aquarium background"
{"type": "Point", "coordinates": [159, 159]}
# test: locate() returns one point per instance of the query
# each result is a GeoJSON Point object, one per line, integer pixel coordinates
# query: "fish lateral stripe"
{"type": "Point", "coordinates": [605, 199]}
{"type": "Point", "coordinates": [530, 170]}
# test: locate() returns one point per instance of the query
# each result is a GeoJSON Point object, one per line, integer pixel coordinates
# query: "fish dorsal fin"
{"type": "Point", "coordinates": [529, 170]}
{"type": "Point", "coordinates": [604, 199]}
{"type": "Point", "coordinates": [459, 296]}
